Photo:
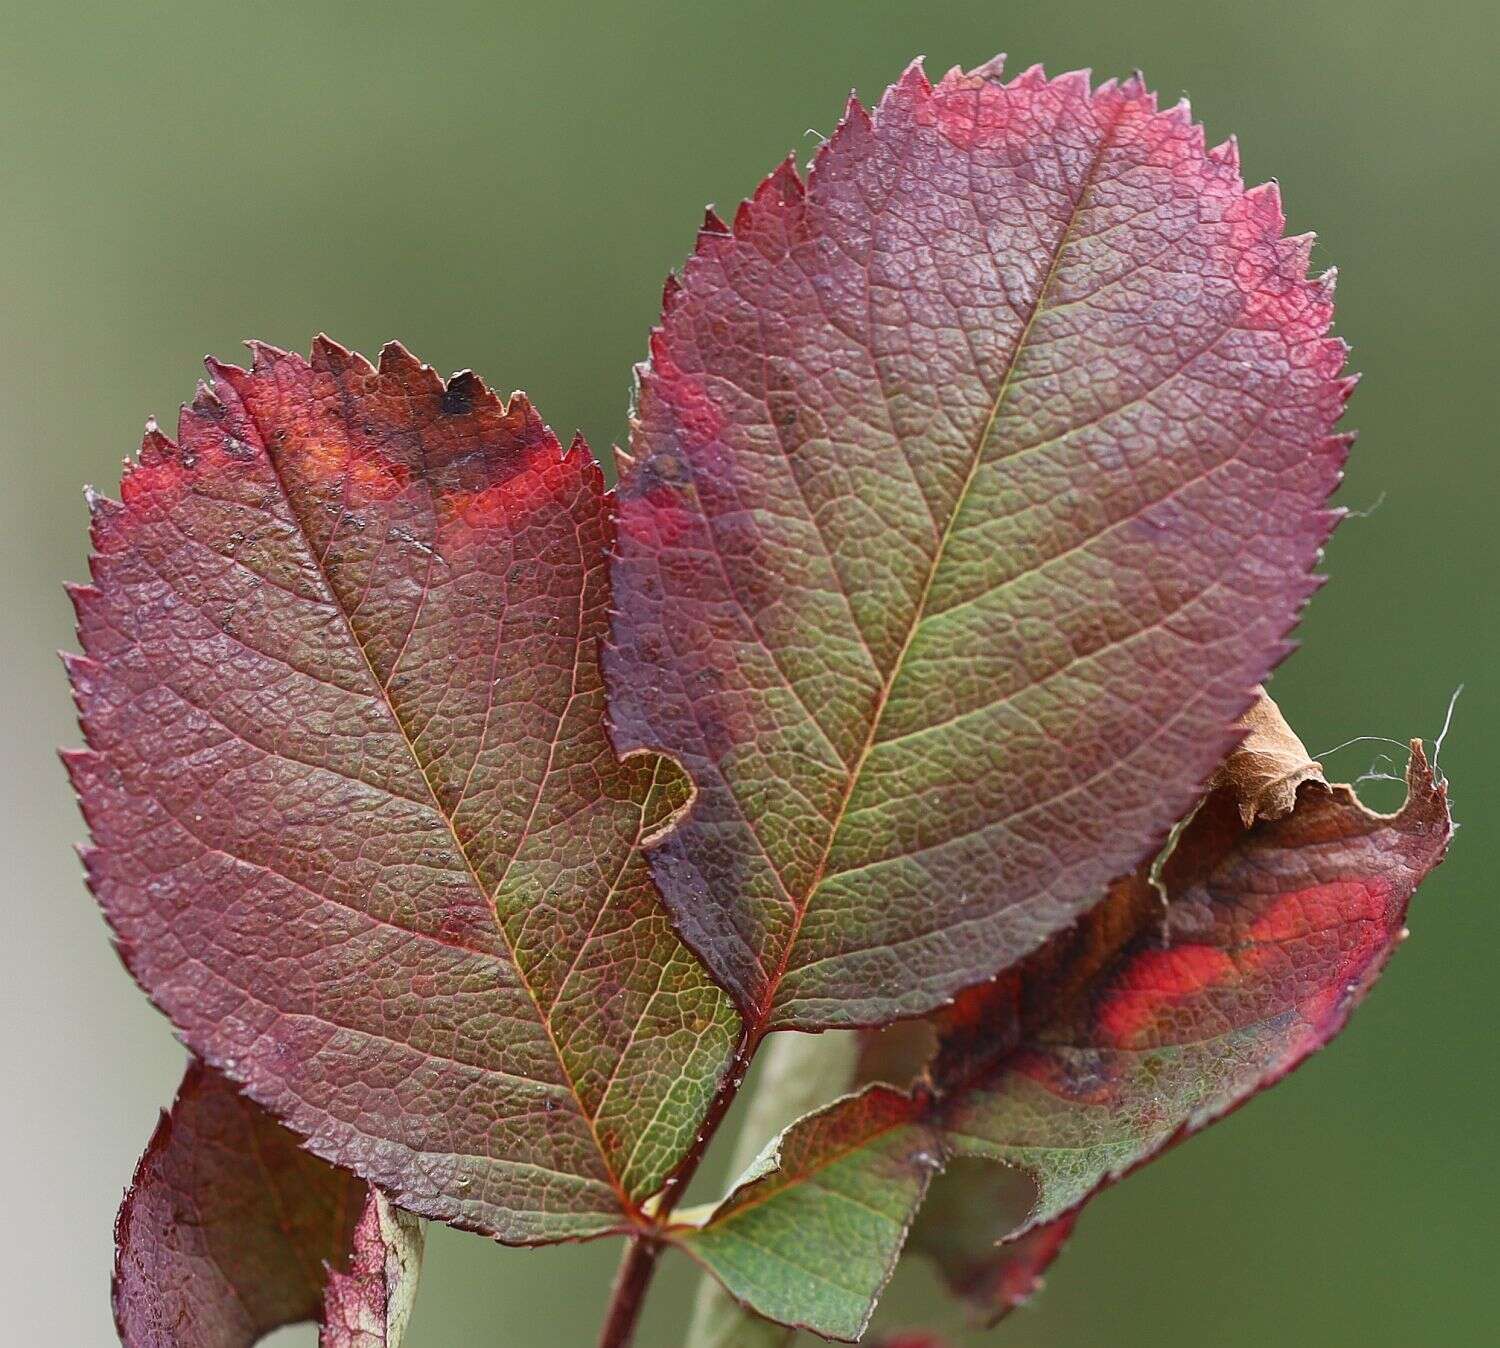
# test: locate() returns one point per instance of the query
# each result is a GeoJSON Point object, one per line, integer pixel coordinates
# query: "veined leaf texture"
{"type": "Point", "coordinates": [473, 825]}
{"type": "Point", "coordinates": [976, 480]}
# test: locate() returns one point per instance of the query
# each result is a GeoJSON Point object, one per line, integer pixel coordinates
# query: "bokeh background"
{"type": "Point", "coordinates": [504, 185]}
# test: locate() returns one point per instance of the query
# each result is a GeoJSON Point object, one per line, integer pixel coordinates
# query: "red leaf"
{"type": "Point", "coordinates": [975, 483]}
{"type": "Point", "coordinates": [228, 1228]}
{"type": "Point", "coordinates": [370, 1305]}
{"type": "Point", "coordinates": [358, 828]}
{"type": "Point", "coordinates": [1113, 1042]}
{"type": "Point", "coordinates": [964, 1225]}
{"type": "Point", "coordinates": [1145, 1023]}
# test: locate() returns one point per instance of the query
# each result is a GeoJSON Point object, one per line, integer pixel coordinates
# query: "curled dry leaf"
{"type": "Point", "coordinates": [230, 1230]}
{"type": "Point", "coordinates": [358, 828]}
{"type": "Point", "coordinates": [1111, 1043]}
{"type": "Point", "coordinates": [1264, 772]}
{"type": "Point", "coordinates": [975, 483]}
{"type": "Point", "coordinates": [971, 1209]}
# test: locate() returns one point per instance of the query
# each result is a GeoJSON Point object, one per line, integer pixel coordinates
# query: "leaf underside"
{"type": "Point", "coordinates": [974, 482]}
{"type": "Point", "coordinates": [358, 827]}
{"type": "Point", "coordinates": [229, 1230]}
{"type": "Point", "coordinates": [969, 1210]}
{"type": "Point", "coordinates": [370, 1305]}
{"type": "Point", "coordinates": [1112, 1042]}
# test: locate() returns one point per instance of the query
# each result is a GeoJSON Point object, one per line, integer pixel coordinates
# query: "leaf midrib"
{"type": "Point", "coordinates": [385, 698]}
{"type": "Point", "coordinates": [1065, 237]}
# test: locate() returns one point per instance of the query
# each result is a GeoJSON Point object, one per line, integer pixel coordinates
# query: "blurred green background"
{"type": "Point", "coordinates": [504, 186]}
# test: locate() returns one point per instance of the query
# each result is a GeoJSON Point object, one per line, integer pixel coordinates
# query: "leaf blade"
{"type": "Point", "coordinates": [370, 1305]}
{"type": "Point", "coordinates": [857, 391]}
{"type": "Point", "coordinates": [230, 1230]}
{"type": "Point", "coordinates": [798, 1074]}
{"type": "Point", "coordinates": [1118, 1040]}
{"type": "Point", "coordinates": [856, 1172]}
{"type": "Point", "coordinates": [353, 800]}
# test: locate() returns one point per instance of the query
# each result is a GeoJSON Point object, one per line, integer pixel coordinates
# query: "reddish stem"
{"type": "Point", "coordinates": [629, 1294]}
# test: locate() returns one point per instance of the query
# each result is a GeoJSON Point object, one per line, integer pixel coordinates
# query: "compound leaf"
{"type": "Point", "coordinates": [1110, 1043]}
{"type": "Point", "coordinates": [358, 828]}
{"type": "Point", "coordinates": [974, 483]}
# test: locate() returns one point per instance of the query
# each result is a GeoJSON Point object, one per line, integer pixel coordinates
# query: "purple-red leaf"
{"type": "Point", "coordinates": [230, 1229]}
{"type": "Point", "coordinates": [975, 482]}
{"type": "Point", "coordinates": [969, 1211]}
{"type": "Point", "coordinates": [1112, 1042]}
{"type": "Point", "coordinates": [370, 1305]}
{"type": "Point", "coordinates": [358, 827]}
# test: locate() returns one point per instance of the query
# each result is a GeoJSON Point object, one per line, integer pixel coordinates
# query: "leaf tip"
{"type": "Point", "coordinates": [855, 112]}
{"type": "Point", "coordinates": [264, 356]}
{"type": "Point", "coordinates": [1033, 77]}
{"type": "Point", "coordinates": [993, 69]}
{"type": "Point", "coordinates": [784, 184]}
{"type": "Point", "coordinates": [228, 381]}
{"type": "Point", "coordinates": [1264, 200]}
{"type": "Point", "coordinates": [1075, 83]}
{"type": "Point", "coordinates": [671, 291]}
{"type": "Point", "coordinates": [156, 445]}
{"type": "Point", "coordinates": [1227, 154]}
{"type": "Point", "coordinates": [913, 80]}
{"type": "Point", "coordinates": [464, 391]}
{"type": "Point", "coordinates": [396, 362]}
